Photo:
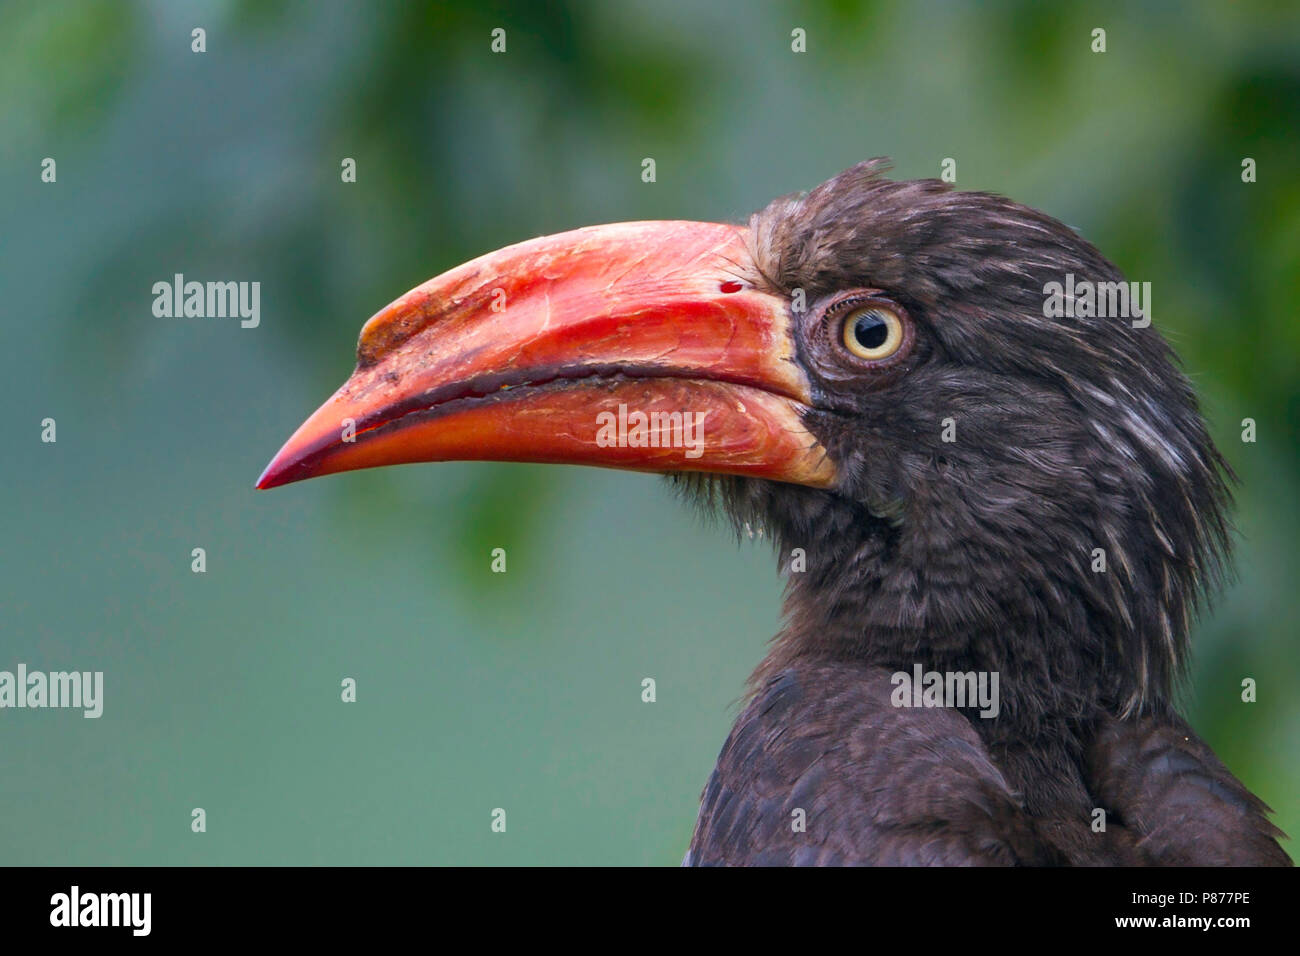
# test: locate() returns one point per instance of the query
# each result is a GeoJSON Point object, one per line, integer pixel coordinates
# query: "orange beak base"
{"type": "Point", "coordinates": [637, 345]}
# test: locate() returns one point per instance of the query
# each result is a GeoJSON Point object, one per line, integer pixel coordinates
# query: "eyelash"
{"type": "Point", "coordinates": [836, 314]}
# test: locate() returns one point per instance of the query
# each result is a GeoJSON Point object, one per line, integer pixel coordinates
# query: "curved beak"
{"type": "Point", "coordinates": [635, 345]}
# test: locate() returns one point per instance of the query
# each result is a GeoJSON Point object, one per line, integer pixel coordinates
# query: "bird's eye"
{"type": "Point", "coordinates": [873, 332]}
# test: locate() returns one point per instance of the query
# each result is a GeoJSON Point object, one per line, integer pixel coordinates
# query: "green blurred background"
{"type": "Point", "coordinates": [522, 691]}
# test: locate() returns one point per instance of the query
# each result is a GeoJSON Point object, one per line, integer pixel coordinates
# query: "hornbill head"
{"type": "Point", "coordinates": [868, 371]}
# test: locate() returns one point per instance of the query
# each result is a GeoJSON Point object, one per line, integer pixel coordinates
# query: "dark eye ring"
{"type": "Point", "coordinates": [873, 331]}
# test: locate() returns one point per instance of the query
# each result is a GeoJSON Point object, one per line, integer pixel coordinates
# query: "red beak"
{"type": "Point", "coordinates": [635, 345]}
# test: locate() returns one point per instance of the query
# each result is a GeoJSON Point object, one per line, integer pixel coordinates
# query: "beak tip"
{"type": "Point", "coordinates": [272, 476]}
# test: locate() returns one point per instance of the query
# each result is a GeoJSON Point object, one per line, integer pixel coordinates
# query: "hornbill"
{"type": "Point", "coordinates": [957, 479]}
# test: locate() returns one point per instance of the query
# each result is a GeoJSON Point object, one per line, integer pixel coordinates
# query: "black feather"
{"type": "Point", "coordinates": [1072, 434]}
